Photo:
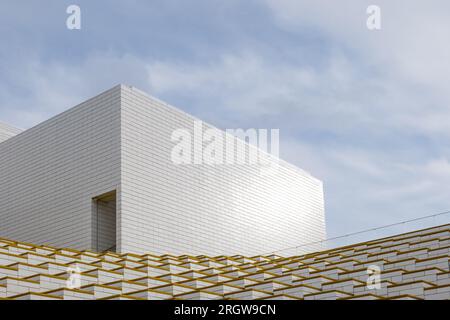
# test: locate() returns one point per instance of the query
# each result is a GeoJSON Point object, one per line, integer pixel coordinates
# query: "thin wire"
{"type": "Point", "coordinates": [360, 232]}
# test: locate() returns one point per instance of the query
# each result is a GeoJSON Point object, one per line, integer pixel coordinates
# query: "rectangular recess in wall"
{"type": "Point", "coordinates": [104, 217]}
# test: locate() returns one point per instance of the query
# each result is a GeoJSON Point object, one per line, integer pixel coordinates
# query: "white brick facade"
{"type": "Point", "coordinates": [214, 209]}
{"type": "Point", "coordinates": [50, 173]}
{"type": "Point", "coordinates": [121, 140]}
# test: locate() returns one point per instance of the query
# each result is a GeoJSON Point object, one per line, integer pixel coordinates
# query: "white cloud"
{"type": "Point", "coordinates": [42, 89]}
{"type": "Point", "coordinates": [375, 171]}
{"type": "Point", "coordinates": [410, 45]}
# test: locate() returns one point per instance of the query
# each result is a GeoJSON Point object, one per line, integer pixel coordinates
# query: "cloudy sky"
{"type": "Point", "coordinates": [368, 112]}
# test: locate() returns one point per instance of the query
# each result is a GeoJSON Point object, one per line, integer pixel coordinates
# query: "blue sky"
{"type": "Point", "coordinates": [366, 111]}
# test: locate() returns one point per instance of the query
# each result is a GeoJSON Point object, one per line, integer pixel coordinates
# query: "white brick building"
{"type": "Point", "coordinates": [99, 176]}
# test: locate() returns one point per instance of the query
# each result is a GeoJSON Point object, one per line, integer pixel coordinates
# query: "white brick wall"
{"type": "Point", "coordinates": [121, 140]}
{"type": "Point", "coordinates": [202, 209]}
{"type": "Point", "coordinates": [49, 173]}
